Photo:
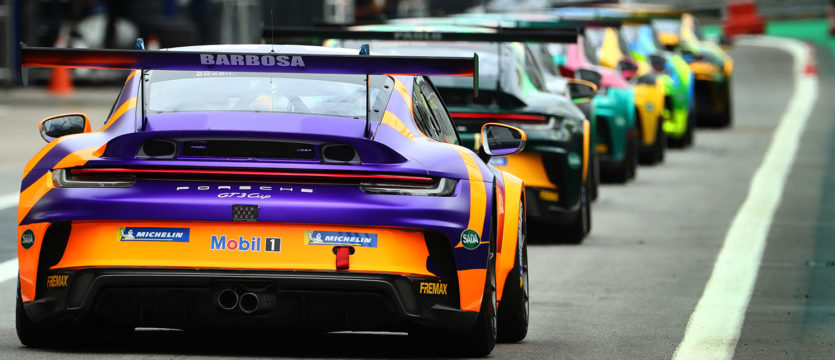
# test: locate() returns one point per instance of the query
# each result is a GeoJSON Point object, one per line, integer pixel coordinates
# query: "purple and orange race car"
{"type": "Point", "coordinates": [281, 187]}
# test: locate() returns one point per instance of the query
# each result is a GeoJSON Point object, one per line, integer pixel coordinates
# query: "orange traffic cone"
{"type": "Point", "coordinates": [60, 82]}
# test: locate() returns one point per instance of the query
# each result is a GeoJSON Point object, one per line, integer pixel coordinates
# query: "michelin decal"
{"type": "Point", "coordinates": [340, 238]}
{"type": "Point", "coordinates": [153, 234]}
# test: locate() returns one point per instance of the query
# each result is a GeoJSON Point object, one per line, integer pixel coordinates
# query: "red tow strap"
{"type": "Point", "coordinates": [342, 255]}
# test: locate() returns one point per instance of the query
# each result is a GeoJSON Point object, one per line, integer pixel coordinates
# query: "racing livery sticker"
{"type": "Point", "coordinates": [498, 161]}
{"type": "Point", "coordinates": [27, 239]}
{"type": "Point", "coordinates": [53, 281]}
{"type": "Point", "coordinates": [432, 288]}
{"type": "Point", "coordinates": [220, 242]}
{"type": "Point", "coordinates": [153, 234]}
{"type": "Point", "coordinates": [272, 244]}
{"type": "Point", "coordinates": [574, 160]}
{"type": "Point", "coordinates": [340, 238]}
{"type": "Point", "coordinates": [251, 60]}
{"type": "Point", "coordinates": [470, 239]}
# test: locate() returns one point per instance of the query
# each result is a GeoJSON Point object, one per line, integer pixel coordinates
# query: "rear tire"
{"type": "Point", "coordinates": [626, 169]}
{"type": "Point", "coordinates": [655, 153]}
{"type": "Point", "coordinates": [481, 339]}
{"type": "Point", "coordinates": [29, 333]}
{"type": "Point", "coordinates": [726, 118]}
{"type": "Point", "coordinates": [581, 225]}
{"type": "Point", "coordinates": [514, 310]}
{"type": "Point", "coordinates": [594, 176]}
{"type": "Point", "coordinates": [660, 146]}
{"type": "Point", "coordinates": [686, 138]}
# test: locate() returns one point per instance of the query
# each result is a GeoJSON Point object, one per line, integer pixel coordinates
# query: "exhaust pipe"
{"type": "Point", "coordinates": [252, 302]}
{"type": "Point", "coordinates": [228, 299]}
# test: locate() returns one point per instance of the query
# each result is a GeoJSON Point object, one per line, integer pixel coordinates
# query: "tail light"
{"type": "Point", "coordinates": [566, 73]}
{"type": "Point", "coordinates": [441, 187]}
{"type": "Point", "coordinates": [493, 117]}
{"type": "Point", "coordinates": [65, 178]}
{"type": "Point", "coordinates": [125, 177]}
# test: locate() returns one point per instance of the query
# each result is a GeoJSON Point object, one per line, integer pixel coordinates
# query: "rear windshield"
{"type": "Point", "coordinates": [667, 25]}
{"type": "Point", "coordinates": [316, 94]}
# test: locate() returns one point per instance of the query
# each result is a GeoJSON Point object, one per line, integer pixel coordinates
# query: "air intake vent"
{"type": "Point", "coordinates": [158, 148]}
{"type": "Point", "coordinates": [339, 153]}
{"type": "Point", "coordinates": [248, 149]}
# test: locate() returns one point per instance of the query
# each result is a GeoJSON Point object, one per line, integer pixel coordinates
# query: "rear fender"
{"type": "Point", "coordinates": [513, 194]}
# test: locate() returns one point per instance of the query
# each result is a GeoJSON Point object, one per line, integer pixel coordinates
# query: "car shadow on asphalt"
{"type": "Point", "coordinates": [263, 344]}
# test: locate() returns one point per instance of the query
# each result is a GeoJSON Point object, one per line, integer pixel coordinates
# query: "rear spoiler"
{"type": "Point", "coordinates": [362, 64]}
{"type": "Point", "coordinates": [246, 62]}
{"type": "Point", "coordinates": [561, 34]}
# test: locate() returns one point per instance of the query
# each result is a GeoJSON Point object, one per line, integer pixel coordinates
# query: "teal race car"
{"type": "Point", "coordinates": [613, 107]}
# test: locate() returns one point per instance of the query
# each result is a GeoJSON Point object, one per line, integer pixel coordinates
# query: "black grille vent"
{"type": "Point", "coordinates": [248, 149]}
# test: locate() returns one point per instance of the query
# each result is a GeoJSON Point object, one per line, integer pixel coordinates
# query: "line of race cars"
{"type": "Point", "coordinates": [328, 188]}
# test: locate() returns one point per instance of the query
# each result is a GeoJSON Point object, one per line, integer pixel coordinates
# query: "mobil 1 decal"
{"type": "Point", "coordinates": [250, 244]}
{"type": "Point", "coordinates": [470, 239]}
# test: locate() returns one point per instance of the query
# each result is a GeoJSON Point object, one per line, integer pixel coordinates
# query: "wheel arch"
{"type": "Point", "coordinates": [514, 198]}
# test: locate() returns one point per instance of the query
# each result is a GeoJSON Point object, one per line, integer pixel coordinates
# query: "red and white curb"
{"type": "Point", "coordinates": [714, 327]}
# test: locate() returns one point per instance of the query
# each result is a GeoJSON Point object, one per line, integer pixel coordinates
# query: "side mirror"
{"type": "Point", "coordinates": [591, 76]}
{"type": "Point", "coordinates": [726, 43]}
{"type": "Point", "coordinates": [66, 124]}
{"type": "Point", "coordinates": [581, 91]}
{"type": "Point", "coordinates": [500, 139]}
{"type": "Point", "coordinates": [627, 69]}
{"type": "Point", "coordinates": [657, 62]}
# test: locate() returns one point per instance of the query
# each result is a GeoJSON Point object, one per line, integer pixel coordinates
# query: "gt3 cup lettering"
{"type": "Point", "coordinates": [251, 60]}
{"type": "Point", "coordinates": [244, 195]}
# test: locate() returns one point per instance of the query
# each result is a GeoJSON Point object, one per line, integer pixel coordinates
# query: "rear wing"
{"type": "Point", "coordinates": [561, 34]}
{"type": "Point", "coordinates": [362, 64]}
{"type": "Point", "coordinates": [246, 62]}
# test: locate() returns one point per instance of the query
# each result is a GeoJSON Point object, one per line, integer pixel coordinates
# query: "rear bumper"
{"type": "Point", "coordinates": [188, 299]}
{"type": "Point", "coordinates": [542, 210]}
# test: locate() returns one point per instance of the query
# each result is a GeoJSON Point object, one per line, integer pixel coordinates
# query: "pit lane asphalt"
{"type": "Point", "coordinates": [625, 293]}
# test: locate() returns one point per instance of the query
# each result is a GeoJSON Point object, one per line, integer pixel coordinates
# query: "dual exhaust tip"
{"type": "Point", "coordinates": [248, 302]}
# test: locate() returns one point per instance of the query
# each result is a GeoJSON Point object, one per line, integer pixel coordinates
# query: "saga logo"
{"type": "Point", "coordinates": [470, 239]}
{"type": "Point", "coordinates": [251, 60]}
{"type": "Point", "coordinates": [27, 239]}
{"type": "Point", "coordinates": [432, 288]}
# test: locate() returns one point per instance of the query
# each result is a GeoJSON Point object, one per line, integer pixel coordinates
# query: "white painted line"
{"type": "Point", "coordinates": [714, 327]}
{"type": "Point", "coordinates": [8, 270]}
{"type": "Point", "coordinates": [8, 200]}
